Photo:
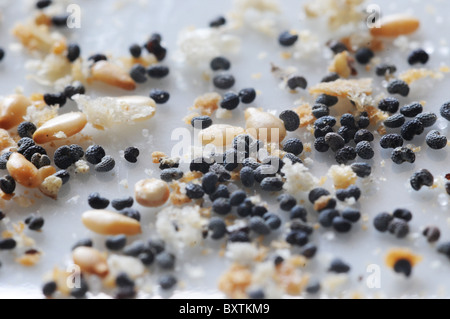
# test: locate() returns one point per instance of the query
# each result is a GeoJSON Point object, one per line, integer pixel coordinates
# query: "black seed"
{"type": "Point", "coordinates": [116, 242]}
{"type": "Point", "coordinates": [221, 206]}
{"type": "Point", "coordinates": [286, 201]}
{"type": "Point", "coordinates": [158, 71]}
{"type": "Point", "coordinates": [341, 225]}
{"type": "Point", "coordinates": [337, 47]}
{"type": "Point", "coordinates": [287, 39]}
{"type": "Point", "coordinates": [351, 214]}
{"type": "Point", "coordinates": [432, 233]}
{"type": "Point", "coordinates": [316, 193]}
{"type": "Point", "coordinates": [7, 184]}
{"type": "Point", "coordinates": [272, 184]}
{"type": "Point", "coordinates": [218, 227]}
{"type": "Point", "coordinates": [444, 248]}
{"type": "Point", "coordinates": [259, 210]}
{"type": "Point", "coordinates": [194, 191]}
{"type": "Point", "coordinates": [364, 55]}
{"type": "Point", "coordinates": [427, 118]}
{"type": "Point", "coordinates": [121, 203]}
{"type": "Point", "coordinates": [394, 121]}
{"type": "Point", "coordinates": [389, 104]}
{"type": "Point", "coordinates": [381, 221]}
{"type": "Point", "coordinates": [73, 52]}
{"type": "Point", "coordinates": [64, 175]}
{"type": "Point", "coordinates": [247, 95]}
{"type": "Point", "coordinates": [75, 88]}
{"type": "Point", "coordinates": [326, 217]}
{"type": "Point", "coordinates": [330, 77]}
{"type": "Point", "coordinates": [209, 182]}
{"type": "Point", "coordinates": [34, 222]}
{"type": "Point", "coordinates": [94, 154]}
{"type": "Point", "coordinates": [293, 145]}
{"type": "Point", "coordinates": [156, 245]}
{"type": "Point", "coordinates": [339, 266]}
{"type": "Point", "coordinates": [138, 73]}
{"type": "Point", "coordinates": [223, 81]}
{"type": "Point", "coordinates": [76, 152]}
{"type": "Point", "coordinates": [203, 121]}
{"type": "Point", "coordinates": [63, 157]}
{"type": "Point", "coordinates": [272, 220]}
{"type": "Point", "coordinates": [258, 225]}
{"type": "Point", "coordinates": [244, 209]}
{"type": "Point", "coordinates": [445, 111]}
{"type": "Point", "coordinates": [165, 260]}
{"type": "Point", "coordinates": [135, 248]}
{"type": "Point", "coordinates": [3, 159]}
{"type": "Point", "coordinates": [35, 149]}
{"type": "Point", "coordinates": [324, 122]}
{"type": "Point", "coordinates": [167, 281]}
{"type": "Point", "coordinates": [402, 213]}
{"type": "Point", "coordinates": [334, 141]}
{"type": "Point", "coordinates": [60, 20]}
{"type": "Point", "coordinates": [153, 46]}
{"type": "Point", "coordinates": [84, 242]}
{"type": "Point", "coordinates": [309, 250]}
{"type": "Point", "coordinates": [399, 228]}
{"type": "Point", "coordinates": [147, 257]}
{"type": "Point", "coordinates": [313, 287]}
{"type": "Point", "coordinates": [411, 128]}
{"type": "Point", "coordinates": [98, 57]}
{"type": "Point", "coordinates": [41, 4]}
{"type": "Point", "coordinates": [296, 81]}
{"type": "Point", "coordinates": [49, 288]}
{"type": "Point", "coordinates": [256, 293]}
{"type": "Point", "coordinates": [131, 153]}
{"type": "Point", "coordinates": [363, 121]}
{"type": "Point", "coordinates": [361, 169]}
{"type": "Point", "coordinates": [418, 56]}
{"type": "Point", "coordinates": [403, 154]}
{"type": "Point", "coordinates": [398, 87]}
{"type": "Point", "coordinates": [345, 154]}
{"type": "Point", "coordinates": [230, 101]}
{"type": "Point", "coordinates": [298, 211]}
{"type": "Point", "coordinates": [135, 50]}
{"type": "Point", "coordinates": [96, 201]}
{"type": "Point", "coordinates": [364, 150]}
{"type": "Point", "coordinates": [421, 178]}
{"type": "Point", "coordinates": [351, 191]}
{"type": "Point", "coordinates": [347, 133]}
{"type": "Point", "coordinates": [107, 164]}
{"type": "Point", "coordinates": [320, 145]}
{"type": "Point", "coordinates": [220, 63]}
{"type": "Point", "coordinates": [320, 110]}
{"type": "Point", "coordinates": [237, 197]}
{"type": "Point", "coordinates": [264, 171]}
{"type": "Point", "coordinates": [391, 141]}
{"type": "Point", "coordinates": [322, 131]}
{"type": "Point", "coordinates": [217, 22]}
{"type": "Point", "coordinates": [170, 174]}
{"type": "Point", "coordinates": [297, 238]}
{"type": "Point", "coordinates": [347, 119]}
{"type": "Point", "coordinates": [297, 224]}
{"type": "Point", "coordinates": [247, 176]}
{"type": "Point", "coordinates": [55, 99]}
{"type": "Point", "coordinates": [290, 119]}
{"type": "Point", "coordinates": [384, 69]}
{"type": "Point", "coordinates": [435, 140]}
{"type": "Point", "coordinates": [7, 243]}
{"type": "Point", "coordinates": [80, 292]}
{"type": "Point", "coordinates": [412, 109]}
{"type": "Point", "coordinates": [403, 266]}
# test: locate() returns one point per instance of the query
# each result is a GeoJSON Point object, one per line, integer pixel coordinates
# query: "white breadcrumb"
{"type": "Point", "coordinates": [82, 167]}
{"type": "Point", "coordinates": [308, 45]}
{"type": "Point", "coordinates": [333, 283]}
{"type": "Point", "coordinates": [105, 112]}
{"type": "Point", "coordinates": [338, 13]}
{"type": "Point", "coordinates": [342, 175]}
{"type": "Point", "coordinates": [197, 47]}
{"type": "Point", "coordinates": [40, 115]}
{"type": "Point", "coordinates": [51, 186]}
{"type": "Point", "coordinates": [49, 70]}
{"type": "Point", "coordinates": [298, 178]}
{"type": "Point", "coordinates": [258, 15]}
{"type": "Point", "coordinates": [60, 135]}
{"type": "Point", "coordinates": [133, 267]}
{"type": "Point", "coordinates": [180, 227]}
{"type": "Point", "coordinates": [263, 278]}
{"type": "Point", "coordinates": [194, 272]}
{"type": "Point", "coordinates": [224, 114]}
{"type": "Point", "coordinates": [242, 253]}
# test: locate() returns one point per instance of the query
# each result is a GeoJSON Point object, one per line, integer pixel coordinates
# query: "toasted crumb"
{"type": "Point", "coordinates": [342, 175]}
{"type": "Point", "coordinates": [343, 88]}
{"type": "Point", "coordinates": [30, 258]}
{"type": "Point", "coordinates": [342, 65]}
{"type": "Point", "coordinates": [51, 186]}
{"type": "Point", "coordinates": [23, 201]}
{"type": "Point", "coordinates": [207, 103]}
{"type": "Point", "coordinates": [82, 167]}
{"type": "Point", "coordinates": [290, 278]}
{"type": "Point", "coordinates": [413, 75]}
{"type": "Point", "coordinates": [235, 281]}
{"type": "Point", "coordinates": [157, 156]}
{"type": "Point", "coordinates": [322, 202]}
{"type": "Point", "coordinates": [304, 111]}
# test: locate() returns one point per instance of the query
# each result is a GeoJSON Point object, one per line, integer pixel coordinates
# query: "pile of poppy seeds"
{"type": "Point", "coordinates": [222, 195]}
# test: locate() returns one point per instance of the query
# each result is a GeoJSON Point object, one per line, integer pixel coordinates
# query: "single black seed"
{"type": "Point", "coordinates": [121, 203]}
{"type": "Point", "coordinates": [41, 4]}
{"type": "Point", "coordinates": [347, 133]}
{"type": "Point", "coordinates": [365, 150]}
{"type": "Point", "coordinates": [60, 20]}
{"type": "Point", "coordinates": [309, 250]}
{"type": "Point", "coordinates": [7, 184]}
{"type": "Point", "coordinates": [165, 260]}
{"type": "Point", "coordinates": [221, 206]}
{"type": "Point", "coordinates": [421, 178]}
{"type": "Point", "coordinates": [364, 55]}
{"type": "Point", "coordinates": [135, 50]}
{"type": "Point", "coordinates": [49, 288]}
{"type": "Point", "coordinates": [286, 201]}
{"type": "Point", "coordinates": [324, 122]}
{"type": "Point", "coordinates": [94, 154]}
{"type": "Point", "coordinates": [209, 182]}
{"type": "Point", "coordinates": [272, 220]}
{"type": "Point", "coordinates": [399, 228]}
{"type": "Point", "coordinates": [345, 154]}
{"type": "Point", "coordinates": [411, 129]}
{"type": "Point", "coordinates": [34, 222]}
{"type": "Point", "coordinates": [98, 57]}
{"type": "Point", "coordinates": [385, 69]}
{"type": "Point", "coordinates": [398, 87]}
{"type": "Point", "coordinates": [63, 157]}
{"type": "Point", "coordinates": [201, 122]}
{"type": "Point", "coordinates": [73, 52]}
{"type": "Point", "coordinates": [334, 141]}
{"type": "Point", "coordinates": [237, 197]}
{"type": "Point", "coordinates": [147, 257]}
{"type": "Point", "coordinates": [445, 111]}
{"type": "Point", "coordinates": [96, 201]}
{"type": "Point", "coordinates": [293, 145]}
{"type": "Point", "coordinates": [247, 95]}
{"type": "Point", "coordinates": [84, 242]}
{"type": "Point", "coordinates": [316, 193]}
{"type": "Point", "coordinates": [351, 214]}
{"type": "Point", "coordinates": [218, 227]}
{"type": "Point", "coordinates": [435, 140]}
{"type": "Point", "coordinates": [3, 159]}
{"type": "Point", "coordinates": [389, 104]}
{"type": "Point", "coordinates": [258, 225]}
{"type": "Point", "coordinates": [391, 141]}
{"type": "Point", "coordinates": [244, 209]}
{"type": "Point", "coordinates": [313, 287]}
{"type": "Point", "coordinates": [403, 154]}
{"type": "Point", "coordinates": [403, 266]}
{"type": "Point", "coordinates": [418, 56]}
{"type": "Point", "coordinates": [220, 63]}
{"type": "Point", "coordinates": [107, 164]}
{"type": "Point", "coordinates": [296, 81]}
{"type": "Point", "coordinates": [427, 118]}
{"type": "Point", "coordinates": [339, 266]}
{"type": "Point", "coordinates": [116, 242]}
{"type": "Point", "coordinates": [158, 71]}
{"type": "Point", "coordinates": [432, 233]}
{"type": "Point", "coordinates": [258, 210]}
{"type": "Point", "coordinates": [73, 89]}
{"type": "Point", "coordinates": [224, 81]}
{"type": "Point", "coordinates": [171, 174]}
{"type": "Point", "coordinates": [287, 38]}
{"type": "Point", "coordinates": [156, 245]}
{"type": "Point", "coordinates": [64, 175]}
{"type": "Point", "coordinates": [167, 281]}
{"type": "Point", "coordinates": [194, 191]}
{"type": "Point", "coordinates": [330, 77]}
{"type": "Point", "coordinates": [361, 169]}
{"type": "Point", "coordinates": [138, 73]}
{"type": "Point", "coordinates": [341, 224]}
{"type": "Point", "coordinates": [7, 243]}
{"type": "Point", "coordinates": [337, 46]}
{"type": "Point", "coordinates": [256, 293]}
{"type": "Point", "coordinates": [272, 184]}
{"type": "Point", "coordinates": [326, 217]}
{"type": "Point", "coordinates": [217, 22]}
{"type": "Point", "coordinates": [347, 119]}
{"type": "Point", "coordinates": [381, 221]}
{"type": "Point", "coordinates": [247, 176]}
{"type": "Point", "coordinates": [297, 238]}
{"type": "Point", "coordinates": [402, 213]}
{"type": "Point", "coordinates": [131, 154]}
{"type": "Point", "coordinates": [411, 110]}
{"type": "Point", "coordinates": [394, 121]}
{"type": "Point", "coordinates": [320, 145]}
{"type": "Point", "coordinates": [135, 248]}
{"type": "Point", "coordinates": [298, 212]}
{"type": "Point", "coordinates": [81, 290]}
{"type": "Point", "coordinates": [230, 101]}
{"type": "Point", "coordinates": [290, 119]}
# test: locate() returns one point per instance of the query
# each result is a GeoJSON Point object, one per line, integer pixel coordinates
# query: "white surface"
{"type": "Point", "coordinates": [107, 29]}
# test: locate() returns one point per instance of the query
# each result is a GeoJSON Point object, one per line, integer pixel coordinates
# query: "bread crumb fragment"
{"type": "Point", "coordinates": [342, 175]}
{"type": "Point", "coordinates": [343, 88]}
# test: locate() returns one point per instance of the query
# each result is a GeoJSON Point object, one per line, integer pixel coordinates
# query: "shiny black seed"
{"type": "Point", "coordinates": [403, 154]}
{"type": "Point", "coordinates": [96, 201]}
{"type": "Point", "coordinates": [296, 81]}
{"type": "Point", "coordinates": [364, 55]}
{"type": "Point", "coordinates": [389, 104]}
{"type": "Point", "coordinates": [247, 95]}
{"type": "Point", "coordinates": [421, 178]}
{"type": "Point", "coordinates": [381, 221]}
{"type": "Point", "coordinates": [138, 73]}
{"type": "Point", "coordinates": [73, 52]}
{"type": "Point", "coordinates": [290, 119]}
{"type": "Point", "coordinates": [286, 38]}
{"type": "Point", "coordinates": [361, 169]}
{"type": "Point", "coordinates": [94, 154]}
{"type": "Point", "coordinates": [339, 266]}
{"type": "Point", "coordinates": [435, 140]}
{"type": "Point", "coordinates": [230, 101]}
{"type": "Point", "coordinates": [223, 81]}
{"type": "Point", "coordinates": [398, 87]}
{"type": "Point", "coordinates": [55, 99]}
{"type": "Point", "coordinates": [158, 71]}
{"type": "Point", "coordinates": [394, 121]}
{"type": "Point", "coordinates": [384, 69]}
{"type": "Point", "coordinates": [220, 63]}
{"type": "Point", "coordinates": [418, 56]}
{"type": "Point", "coordinates": [412, 109]}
